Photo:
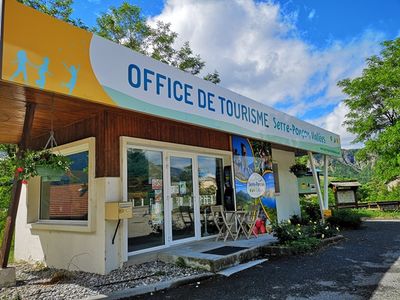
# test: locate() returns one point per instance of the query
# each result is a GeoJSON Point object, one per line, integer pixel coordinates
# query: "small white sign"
{"type": "Point", "coordinates": [256, 186]}
{"type": "Point", "coordinates": [346, 196]}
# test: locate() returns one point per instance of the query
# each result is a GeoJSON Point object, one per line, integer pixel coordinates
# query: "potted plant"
{"type": "Point", "coordinates": [298, 169]}
{"type": "Point", "coordinates": [50, 166]}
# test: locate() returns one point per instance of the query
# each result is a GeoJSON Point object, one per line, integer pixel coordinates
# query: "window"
{"type": "Point", "coordinates": [67, 198]}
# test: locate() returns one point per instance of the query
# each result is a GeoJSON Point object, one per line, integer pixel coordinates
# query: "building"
{"type": "Point", "coordinates": [137, 131]}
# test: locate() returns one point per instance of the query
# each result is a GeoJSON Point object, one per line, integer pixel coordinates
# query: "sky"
{"type": "Point", "coordinates": [286, 54]}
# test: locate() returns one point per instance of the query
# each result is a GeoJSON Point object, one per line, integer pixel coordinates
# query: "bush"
{"type": "Point", "coordinates": [344, 218]}
{"type": "Point", "coordinates": [286, 232]}
{"type": "Point", "coordinates": [321, 231]}
{"type": "Point", "coordinates": [310, 211]}
{"type": "Point", "coordinates": [304, 245]}
{"type": "Point", "coordinates": [295, 219]}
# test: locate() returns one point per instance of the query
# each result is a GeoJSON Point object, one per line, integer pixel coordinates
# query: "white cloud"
{"type": "Point", "coordinates": [311, 14]}
{"type": "Point", "coordinates": [334, 122]}
{"type": "Point", "coordinates": [258, 51]}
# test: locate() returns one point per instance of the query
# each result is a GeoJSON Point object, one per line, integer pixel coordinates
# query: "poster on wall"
{"type": "Point", "coordinates": [254, 177]}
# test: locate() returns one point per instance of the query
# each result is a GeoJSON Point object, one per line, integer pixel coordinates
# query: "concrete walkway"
{"type": "Point", "coordinates": [364, 266]}
{"type": "Point", "coordinates": [192, 254]}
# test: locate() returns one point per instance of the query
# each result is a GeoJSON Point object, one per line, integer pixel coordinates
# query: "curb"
{"type": "Point", "coordinates": [283, 251]}
{"type": "Point", "coordinates": [158, 286]}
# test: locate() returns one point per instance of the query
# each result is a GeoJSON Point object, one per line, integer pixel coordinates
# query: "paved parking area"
{"type": "Point", "coordinates": [365, 265]}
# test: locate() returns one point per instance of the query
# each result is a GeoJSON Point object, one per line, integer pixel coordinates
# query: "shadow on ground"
{"type": "Point", "coordinates": [365, 265]}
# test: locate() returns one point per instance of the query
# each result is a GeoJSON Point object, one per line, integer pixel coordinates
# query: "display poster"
{"type": "Point", "coordinates": [306, 184]}
{"type": "Point", "coordinates": [156, 184]}
{"type": "Point", "coordinates": [182, 187]}
{"type": "Point", "coordinates": [254, 177]}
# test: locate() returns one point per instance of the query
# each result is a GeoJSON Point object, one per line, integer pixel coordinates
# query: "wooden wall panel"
{"type": "Point", "coordinates": [120, 123]}
{"type": "Point", "coordinates": [110, 125]}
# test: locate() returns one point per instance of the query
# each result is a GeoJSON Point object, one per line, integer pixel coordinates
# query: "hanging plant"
{"type": "Point", "coordinates": [49, 165]}
{"type": "Point", "coordinates": [298, 169]}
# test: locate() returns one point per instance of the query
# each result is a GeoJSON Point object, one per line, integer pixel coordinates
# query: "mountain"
{"type": "Point", "coordinates": [346, 167]}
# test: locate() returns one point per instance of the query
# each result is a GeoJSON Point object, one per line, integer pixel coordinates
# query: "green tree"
{"type": "Point", "coordinates": [127, 26]}
{"type": "Point", "coordinates": [60, 9]}
{"type": "Point", "coordinates": [124, 25]}
{"type": "Point", "coordinates": [6, 172]}
{"type": "Point", "coordinates": [374, 110]}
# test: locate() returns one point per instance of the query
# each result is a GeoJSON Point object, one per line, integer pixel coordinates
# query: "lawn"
{"type": "Point", "coordinates": [377, 214]}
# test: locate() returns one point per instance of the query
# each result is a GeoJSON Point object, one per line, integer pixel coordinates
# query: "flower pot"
{"type": "Point", "coordinates": [300, 173]}
{"type": "Point", "coordinates": [50, 174]}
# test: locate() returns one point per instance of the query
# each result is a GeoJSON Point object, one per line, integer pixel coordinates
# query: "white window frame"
{"type": "Point", "coordinates": [34, 190]}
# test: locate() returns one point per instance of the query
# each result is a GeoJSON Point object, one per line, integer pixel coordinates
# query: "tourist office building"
{"type": "Point", "coordinates": [138, 132]}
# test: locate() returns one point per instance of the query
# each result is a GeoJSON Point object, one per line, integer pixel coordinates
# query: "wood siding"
{"type": "Point", "coordinates": [110, 125]}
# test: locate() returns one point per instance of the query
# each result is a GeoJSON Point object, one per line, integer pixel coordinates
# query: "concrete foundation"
{"type": "Point", "coordinates": [7, 277]}
{"type": "Point", "coordinates": [192, 254]}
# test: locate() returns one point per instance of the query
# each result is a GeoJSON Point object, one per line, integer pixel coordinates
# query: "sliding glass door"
{"type": "Point", "coordinates": [181, 197]}
{"type": "Point", "coordinates": [145, 191]}
{"type": "Point", "coordinates": [171, 195]}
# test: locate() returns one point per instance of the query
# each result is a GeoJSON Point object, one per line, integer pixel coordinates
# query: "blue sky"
{"type": "Point", "coordinates": [322, 21]}
{"type": "Point", "coordinates": [319, 21]}
{"type": "Point", "coordinates": [286, 54]}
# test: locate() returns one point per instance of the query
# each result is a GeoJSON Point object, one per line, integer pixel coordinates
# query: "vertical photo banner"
{"type": "Point", "coordinates": [254, 177]}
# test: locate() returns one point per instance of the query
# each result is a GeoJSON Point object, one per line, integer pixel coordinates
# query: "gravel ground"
{"type": "Point", "coordinates": [39, 282]}
{"type": "Point", "coordinates": [366, 265]}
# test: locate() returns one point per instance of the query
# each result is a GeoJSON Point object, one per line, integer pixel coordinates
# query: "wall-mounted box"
{"type": "Point", "coordinates": [118, 210]}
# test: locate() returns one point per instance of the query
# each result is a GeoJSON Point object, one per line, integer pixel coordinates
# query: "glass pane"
{"type": "Point", "coordinates": [67, 199]}
{"type": "Point", "coordinates": [145, 191]}
{"type": "Point", "coordinates": [182, 198]}
{"type": "Point", "coordinates": [210, 189]}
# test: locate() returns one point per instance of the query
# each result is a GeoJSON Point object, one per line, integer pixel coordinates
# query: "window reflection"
{"type": "Point", "coordinates": [145, 190]}
{"type": "Point", "coordinates": [182, 198]}
{"type": "Point", "coordinates": [66, 198]}
{"type": "Point", "coordinates": [210, 190]}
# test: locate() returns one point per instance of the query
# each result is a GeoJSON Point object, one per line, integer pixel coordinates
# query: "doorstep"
{"type": "Point", "coordinates": [192, 254]}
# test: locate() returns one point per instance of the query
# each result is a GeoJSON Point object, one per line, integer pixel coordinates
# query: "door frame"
{"type": "Point", "coordinates": [168, 201]}
{"type": "Point", "coordinates": [145, 144]}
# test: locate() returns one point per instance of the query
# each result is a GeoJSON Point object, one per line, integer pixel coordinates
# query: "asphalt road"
{"type": "Point", "coordinates": [365, 265]}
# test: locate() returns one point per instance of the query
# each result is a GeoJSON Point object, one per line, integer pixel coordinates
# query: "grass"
{"type": "Point", "coordinates": [304, 245]}
{"type": "Point", "coordinates": [11, 256]}
{"type": "Point", "coordinates": [377, 214]}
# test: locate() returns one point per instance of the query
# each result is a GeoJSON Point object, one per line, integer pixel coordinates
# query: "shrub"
{"type": "Point", "coordinates": [321, 231]}
{"type": "Point", "coordinates": [286, 232]}
{"type": "Point", "coordinates": [304, 245]}
{"type": "Point", "coordinates": [295, 219]}
{"type": "Point", "coordinates": [344, 218]}
{"type": "Point", "coordinates": [310, 211]}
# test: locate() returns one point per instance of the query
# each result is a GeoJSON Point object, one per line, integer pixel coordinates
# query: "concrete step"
{"type": "Point", "coordinates": [193, 255]}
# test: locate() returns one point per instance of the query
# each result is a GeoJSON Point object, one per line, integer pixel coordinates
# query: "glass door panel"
{"type": "Point", "coordinates": [211, 190]}
{"type": "Point", "coordinates": [181, 195]}
{"type": "Point", "coordinates": [145, 191]}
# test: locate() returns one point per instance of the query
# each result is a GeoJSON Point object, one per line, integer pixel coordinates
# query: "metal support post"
{"type": "Point", "coordinates": [316, 181]}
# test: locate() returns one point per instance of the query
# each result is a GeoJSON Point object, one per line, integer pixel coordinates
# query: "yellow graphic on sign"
{"type": "Point", "coordinates": [37, 55]}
